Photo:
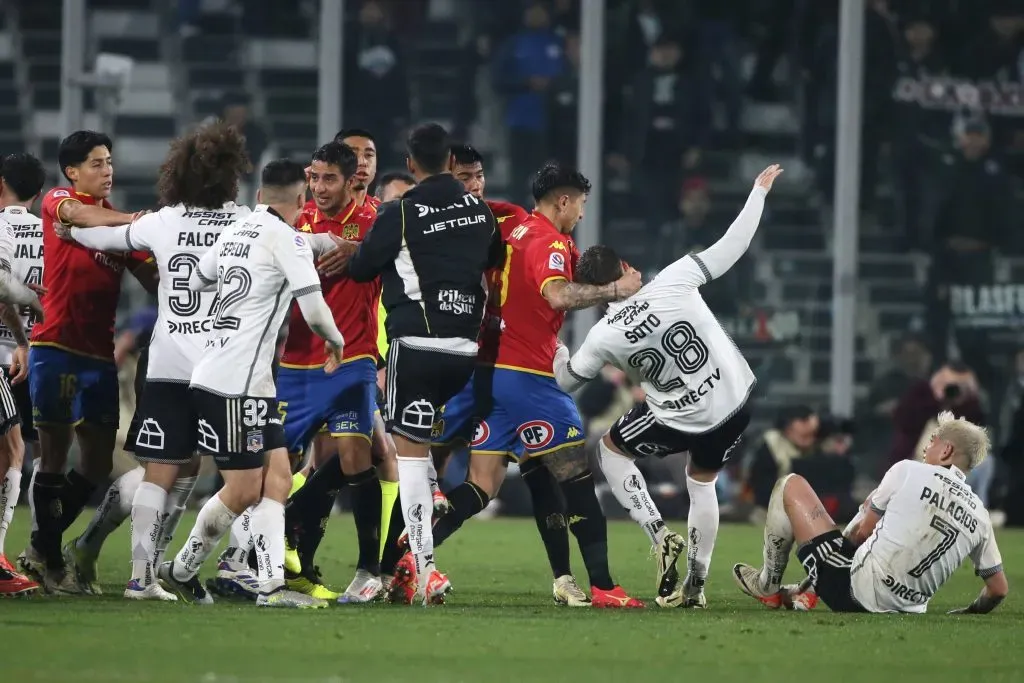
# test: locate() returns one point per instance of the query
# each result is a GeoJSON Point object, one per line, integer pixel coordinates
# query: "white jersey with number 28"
{"type": "Point", "coordinates": [931, 523]}
{"type": "Point", "coordinates": [259, 265]}
{"type": "Point", "coordinates": [666, 339]}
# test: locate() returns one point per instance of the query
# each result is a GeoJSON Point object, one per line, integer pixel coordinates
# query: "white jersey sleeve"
{"type": "Point", "coordinates": [26, 267]}
{"type": "Point", "coordinates": [695, 270]}
{"type": "Point", "coordinates": [295, 258]}
{"type": "Point", "coordinates": [891, 483]}
{"type": "Point", "coordinates": [584, 365]}
{"type": "Point", "coordinates": [986, 558]}
{"type": "Point", "coordinates": [204, 277]}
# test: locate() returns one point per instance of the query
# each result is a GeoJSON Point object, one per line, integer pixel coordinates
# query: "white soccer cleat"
{"type": "Point", "coordinates": [748, 579]}
{"type": "Point", "coordinates": [668, 553]}
{"type": "Point", "coordinates": [567, 592]}
{"type": "Point", "coordinates": [365, 587]}
{"type": "Point", "coordinates": [287, 599]}
{"type": "Point", "coordinates": [32, 564]}
{"type": "Point", "coordinates": [154, 591]}
{"type": "Point", "coordinates": [693, 594]}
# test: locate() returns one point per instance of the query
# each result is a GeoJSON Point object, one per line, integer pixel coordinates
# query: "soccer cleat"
{"type": "Point", "coordinates": [32, 564]}
{"type": "Point", "coordinates": [434, 589]}
{"type": "Point", "coordinates": [190, 590]}
{"type": "Point", "coordinates": [364, 588]}
{"type": "Point", "coordinates": [83, 565]}
{"type": "Point", "coordinates": [668, 553]}
{"type": "Point", "coordinates": [230, 582]}
{"type": "Point", "coordinates": [289, 599]}
{"type": "Point", "coordinates": [403, 584]}
{"type": "Point", "coordinates": [794, 598]}
{"type": "Point", "coordinates": [749, 580]}
{"type": "Point", "coordinates": [615, 598]}
{"type": "Point", "coordinates": [441, 503]}
{"type": "Point", "coordinates": [385, 586]}
{"type": "Point", "coordinates": [309, 582]}
{"type": "Point", "coordinates": [61, 582]}
{"type": "Point", "coordinates": [567, 592]}
{"type": "Point", "coordinates": [693, 594]}
{"type": "Point", "coordinates": [13, 584]}
{"type": "Point", "coordinates": [154, 591]}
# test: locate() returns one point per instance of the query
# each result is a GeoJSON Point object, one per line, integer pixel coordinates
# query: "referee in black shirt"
{"type": "Point", "coordinates": [431, 248]}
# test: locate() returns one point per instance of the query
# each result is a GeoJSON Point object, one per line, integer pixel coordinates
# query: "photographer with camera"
{"type": "Point", "coordinates": [954, 387]}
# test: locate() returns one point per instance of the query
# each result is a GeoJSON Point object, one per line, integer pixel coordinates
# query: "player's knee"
{"type": "Point", "coordinates": [790, 484]}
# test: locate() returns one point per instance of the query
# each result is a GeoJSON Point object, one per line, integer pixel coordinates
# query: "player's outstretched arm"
{"type": "Point", "coordinates": [295, 258]}
{"type": "Point", "coordinates": [572, 373]}
{"type": "Point", "coordinates": [570, 296]}
{"type": "Point", "coordinates": [995, 591]}
{"type": "Point", "coordinates": [13, 291]}
{"type": "Point", "coordinates": [381, 245]}
{"type": "Point", "coordinates": [73, 212]}
{"type": "Point", "coordinates": [102, 238]}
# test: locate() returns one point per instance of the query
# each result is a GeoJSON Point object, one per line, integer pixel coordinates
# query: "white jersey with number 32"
{"type": "Point", "coordinates": [666, 338]}
{"type": "Point", "coordinates": [931, 523]}
{"type": "Point", "coordinates": [178, 236]}
{"type": "Point", "coordinates": [259, 265]}
{"type": "Point", "coordinates": [24, 246]}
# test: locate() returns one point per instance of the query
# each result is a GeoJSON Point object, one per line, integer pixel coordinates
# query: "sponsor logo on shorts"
{"type": "Point", "coordinates": [208, 439]}
{"type": "Point", "coordinates": [480, 434]}
{"type": "Point", "coordinates": [651, 450]}
{"type": "Point", "coordinates": [536, 434]}
{"type": "Point", "coordinates": [572, 433]}
{"type": "Point", "coordinates": [437, 431]}
{"type": "Point", "coordinates": [730, 449]}
{"type": "Point", "coordinates": [254, 441]}
{"type": "Point", "coordinates": [151, 435]}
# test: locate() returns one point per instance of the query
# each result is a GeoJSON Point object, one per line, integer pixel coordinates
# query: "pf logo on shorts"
{"type": "Point", "coordinates": [536, 434]}
{"type": "Point", "coordinates": [480, 434]}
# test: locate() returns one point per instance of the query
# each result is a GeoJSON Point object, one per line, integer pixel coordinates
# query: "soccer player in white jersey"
{"type": "Point", "coordinates": [21, 261]}
{"type": "Point", "coordinates": [666, 339]}
{"type": "Point", "coordinates": [257, 267]}
{"type": "Point", "coordinates": [912, 534]}
{"type": "Point", "coordinates": [197, 187]}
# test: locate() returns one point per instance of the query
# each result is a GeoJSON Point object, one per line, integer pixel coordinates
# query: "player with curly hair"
{"type": "Point", "coordinates": [197, 188]}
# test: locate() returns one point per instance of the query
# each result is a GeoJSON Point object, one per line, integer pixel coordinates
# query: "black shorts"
{"type": "Point", "coordinates": [236, 431]}
{"type": "Point", "coordinates": [420, 382]}
{"type": "Point", "coordinates": [827, 559]}
{"type": "Point", "coordinates": [639, 434]}
{"type": "Point", "coordinates": [141, 369]}
{"type": "Point", "coordinates": [23, 403]}
{"type": "Point", "coordinates": [10, 410]}
{"type": "Point", "coordinates": [165, 424]}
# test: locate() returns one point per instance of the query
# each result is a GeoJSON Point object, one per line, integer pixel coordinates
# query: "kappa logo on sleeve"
{"type": "Point", "coordinates": [556, 262]}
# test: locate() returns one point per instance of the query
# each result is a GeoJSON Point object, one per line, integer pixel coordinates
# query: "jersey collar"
{"type": "Point", "coordinates": [14, 208]}
{"type": "Point", "coordinates": [958, 472]}
{"type": "Point", "coordinates": [341, 217]}
{"type": "Point", "coordinates": [273, 212]}
{"type": "Point", "coordinates": [544, 219]}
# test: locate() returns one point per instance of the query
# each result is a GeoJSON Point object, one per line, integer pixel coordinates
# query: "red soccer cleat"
{"type": "Point", "coordinates": [436, 588]}
{"type": "Point", "coordinates": [615, 598]}
{"type": "Point", "coordinates": [12, 583]}
{"type": "Point", "coordinates": [403, 586]}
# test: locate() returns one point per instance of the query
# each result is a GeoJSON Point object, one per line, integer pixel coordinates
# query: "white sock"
{"type": "Point", "coordinates": [147, 528]}
{"type": "Point", "coordinates": [213, 522]}
{"type": "Point", "coordinates": [630, 489]}
{"type": "Point", "coordinates": [268, 542]}
{"type": "Point", "coordinates": [239, 542]}
{"type": "Point", "coordinates": [432, 478]}
{"type": "Point", "coordinates": [418, 507]}
{"type": "Point", "coordinates": [10, 489]}
{"type": "Point", "coordinates": [778, 540]}
{"type": "Point", "coordinates": [174, 508]}
{"type": "Point", "coordinates": [702, 523]}
{"type": "Point", "coordinates": [31, 500]}
{"type": "Point", "coordinates": [112, 512]}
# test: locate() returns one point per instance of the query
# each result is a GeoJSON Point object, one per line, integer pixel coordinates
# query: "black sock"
{"type": "Point", "coordinates": [366, 501]}
{"type": "Point", "coordinates": [466, 500]}
{"type": "Point", "coordinates": [392, 552]}
{"type": "Point", "coordinates": [46, 498]}
{"type": "Point", "coordinates": [549, 512]}
{"type": "Point", "coordinates": [588, 524]}
{"type": "Point", "coordinates": [74, 497]}
{"type": "Point", "coordinates": [309, 509]}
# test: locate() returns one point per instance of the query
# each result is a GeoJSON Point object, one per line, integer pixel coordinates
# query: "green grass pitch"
{"type": "Point", "coordinates": [501, 625]}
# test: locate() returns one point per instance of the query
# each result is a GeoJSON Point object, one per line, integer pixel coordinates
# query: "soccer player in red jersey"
{"type": "Point", "coordinates": [73, 380]}
{"type": "Point", "coordinates": [530, 416]}
{"type": "Point", "coordinates": [346, 400]}
{"type": "Point", "coordinates": [456, 424]}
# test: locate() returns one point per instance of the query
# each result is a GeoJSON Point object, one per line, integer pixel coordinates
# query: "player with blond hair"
{"type": "Point", "coordinates": [911, 535]}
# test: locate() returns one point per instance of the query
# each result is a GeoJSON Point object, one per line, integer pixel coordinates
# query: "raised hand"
{"type": "Point", "coordinates": [768, 177]}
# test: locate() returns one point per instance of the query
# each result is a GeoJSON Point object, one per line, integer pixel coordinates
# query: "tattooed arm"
{"type": "Point", "coordinates": [992, 595]}
{"type": "Point", "coordinates": [9, 317]}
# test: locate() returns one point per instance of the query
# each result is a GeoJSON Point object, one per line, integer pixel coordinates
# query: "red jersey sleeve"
{"type": "Point", "coordinates": [547, 259]}
{"type": "Point", "coordinates": [52, 201]}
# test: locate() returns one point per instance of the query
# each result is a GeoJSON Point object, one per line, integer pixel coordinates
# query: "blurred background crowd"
{"type": "Point", "coordinates": [699, 95]}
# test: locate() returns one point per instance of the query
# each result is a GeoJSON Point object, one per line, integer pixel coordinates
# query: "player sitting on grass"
{"type": "Point", "coordinates": [912, 534]}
